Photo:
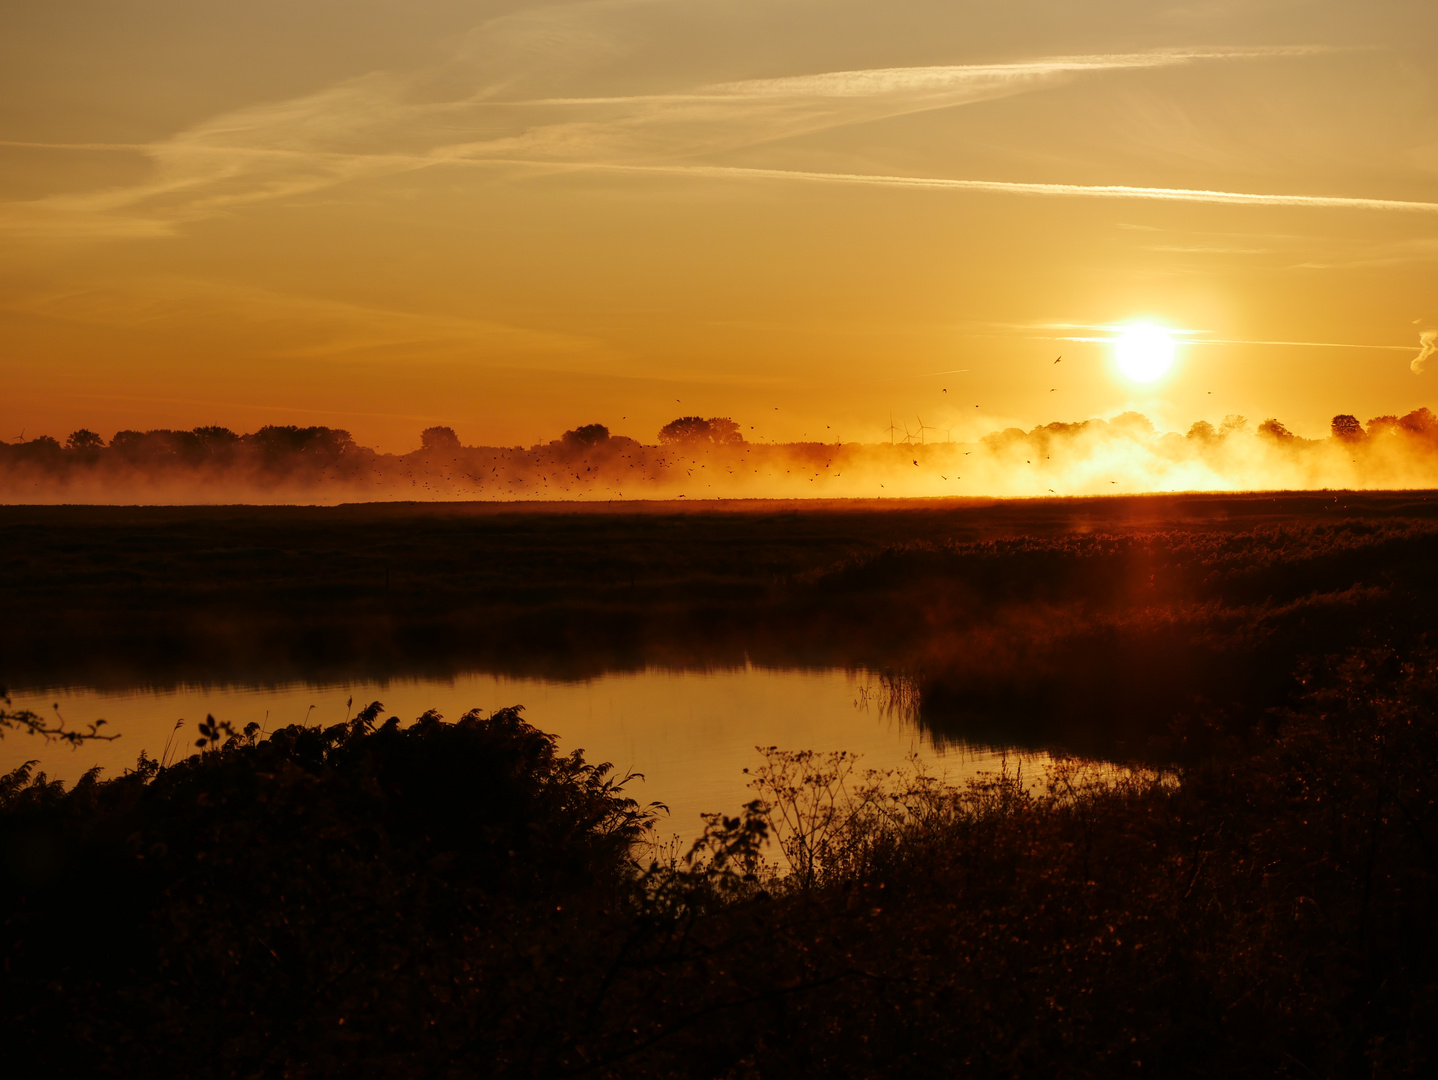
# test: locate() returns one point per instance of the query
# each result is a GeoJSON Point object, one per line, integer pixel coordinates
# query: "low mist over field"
{"type": "Point", "coordinates": [709, 458]}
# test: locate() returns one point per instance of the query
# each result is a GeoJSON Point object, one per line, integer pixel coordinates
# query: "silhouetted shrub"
{"type": "Point", "coordinates": [319, 892]}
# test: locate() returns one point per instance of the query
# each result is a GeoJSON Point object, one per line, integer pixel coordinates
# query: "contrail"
{"type": "Point", "coordinates": [926, 374]}
{"type": "Point", "coordinates": [1009, 187]}
{"type": "Point", "coordinates": [22, 144]}
{"type": "Point", "coordinates": [240, 405]}
{"type": "Point", "coordinates": [449, 156]}
{"type": "Point", "coordinates": [1241, 341]}
{"type": "Point", "coordinates": [1304, 344]}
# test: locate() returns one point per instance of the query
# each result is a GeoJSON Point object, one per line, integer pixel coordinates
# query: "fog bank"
{"type": "Point", "coordinates": [706, 458]}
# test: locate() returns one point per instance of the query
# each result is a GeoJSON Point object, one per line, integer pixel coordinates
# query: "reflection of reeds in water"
{"type": "Point", "coordinates": [894, 696]}
{"type": "Point", "coordinates": [899, 696]}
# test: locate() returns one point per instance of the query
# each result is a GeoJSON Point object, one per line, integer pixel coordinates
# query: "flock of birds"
{"type": "Point", "coordinates": [562, 477]}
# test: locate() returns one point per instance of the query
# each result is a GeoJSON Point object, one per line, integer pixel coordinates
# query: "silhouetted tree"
{"type": "Point", "coordinates": [1419, 422]}
{"type": "Point", "coordinates": [278, 442]}
{"type": "Point", "coordinates": [1233, 423]}
{"type": "Point", "coordinates": [686, 429]}
{"type": "Point", "coordinates": [215, 438]}
{"type": "Point", "coordinates": [1202, 431]}
{"type": "Point", "coordinates": [1347, 428]}
{"type": "Point", "coordinates": [42, 450]}
{"type": "Point", "coordinates": [84, 440]}
{"type": "Point", "coordinates": [696, 429]}
{"type": "Point", "coordinates": [586, 436]}
{"type": "Point", "coordinates": [438, 440]}
{"type": "Point", "coordinates": [127, 442]}
{"type": "Point", "coordinates": [1274, 429]}
{"type": "Point", "coordinates": [724, 431]}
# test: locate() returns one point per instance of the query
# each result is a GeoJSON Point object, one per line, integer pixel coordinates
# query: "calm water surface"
{"type": "Point", "coordinates": [692, 733]}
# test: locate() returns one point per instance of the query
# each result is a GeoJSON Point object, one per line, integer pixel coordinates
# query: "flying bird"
{"type": "Point", "coordinates": [1060, 358]}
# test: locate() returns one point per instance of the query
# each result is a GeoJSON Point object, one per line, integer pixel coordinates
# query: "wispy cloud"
{"type": "Point", "coordinates": [1427, 349]}
{"type": "Point", "coordinates": [380, 125]}
{"type": "Point", "coordinates": [287, 324]}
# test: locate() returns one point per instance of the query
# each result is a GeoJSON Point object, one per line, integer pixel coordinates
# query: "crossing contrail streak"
{"type": "Point", "coordinates": [1184, 340]}
{"type": "Point", "coordinates": [1010, 187]}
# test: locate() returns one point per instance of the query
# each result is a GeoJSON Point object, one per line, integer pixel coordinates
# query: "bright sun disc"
{"type": "Point", "coordinates": [1145, 353]}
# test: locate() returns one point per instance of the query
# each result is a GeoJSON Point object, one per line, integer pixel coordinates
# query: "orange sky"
{"type": "Point", "coordinates": [515, 218]}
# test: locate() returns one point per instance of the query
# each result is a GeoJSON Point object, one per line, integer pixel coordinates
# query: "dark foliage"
{"type": "Point", "coordinates": [691, 430]}
{"type": "Point", "coordinates": [1347, 428]}
{"type": "Point", "coordinates": [459, 900]}
{"type": "Point", "coordinates": [585, 436]}
{"type": "Point", "coordinates": [29, 722]}
{"type": "Point", "coordinates": [439, 440]}
{"type": "Point", "coordinates": [1276, 430]}
{"type": "Point", "coordinates": [292, 904]}
{"type": "Point", "coordinates": [1099, 642]}
{"type": "Point", "coordinates": [84, 439]}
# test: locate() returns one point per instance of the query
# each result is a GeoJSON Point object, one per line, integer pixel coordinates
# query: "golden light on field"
{"type": "Point", "coordinates": [1144, 352]}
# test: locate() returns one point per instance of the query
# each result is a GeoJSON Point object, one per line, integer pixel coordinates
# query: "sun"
{"type": "Point", "coordinates": [1144, 352]}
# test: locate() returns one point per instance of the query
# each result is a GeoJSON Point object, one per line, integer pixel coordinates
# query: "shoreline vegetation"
{"type": "Point", "coordinates": [707, 458]}
{"type": "Point", "coordinates": [459, 899]}
{"type": "Point", "coordinates": [1251, 893]}
{"type": "Point", "coordinates": [1074, 624]}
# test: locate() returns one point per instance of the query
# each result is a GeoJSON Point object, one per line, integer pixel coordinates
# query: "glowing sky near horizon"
{"type": "Point", "coordinates": [515, 218]}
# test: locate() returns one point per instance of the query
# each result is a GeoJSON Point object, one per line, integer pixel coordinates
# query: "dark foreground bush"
{"type": "Point", "coordinates": [461, 900]}
{"type": "Point", "coordinates": [308, 901]}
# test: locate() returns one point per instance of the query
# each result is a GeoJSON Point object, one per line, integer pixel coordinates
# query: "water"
{"type": "Point", "coordinates": [691, 733]}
